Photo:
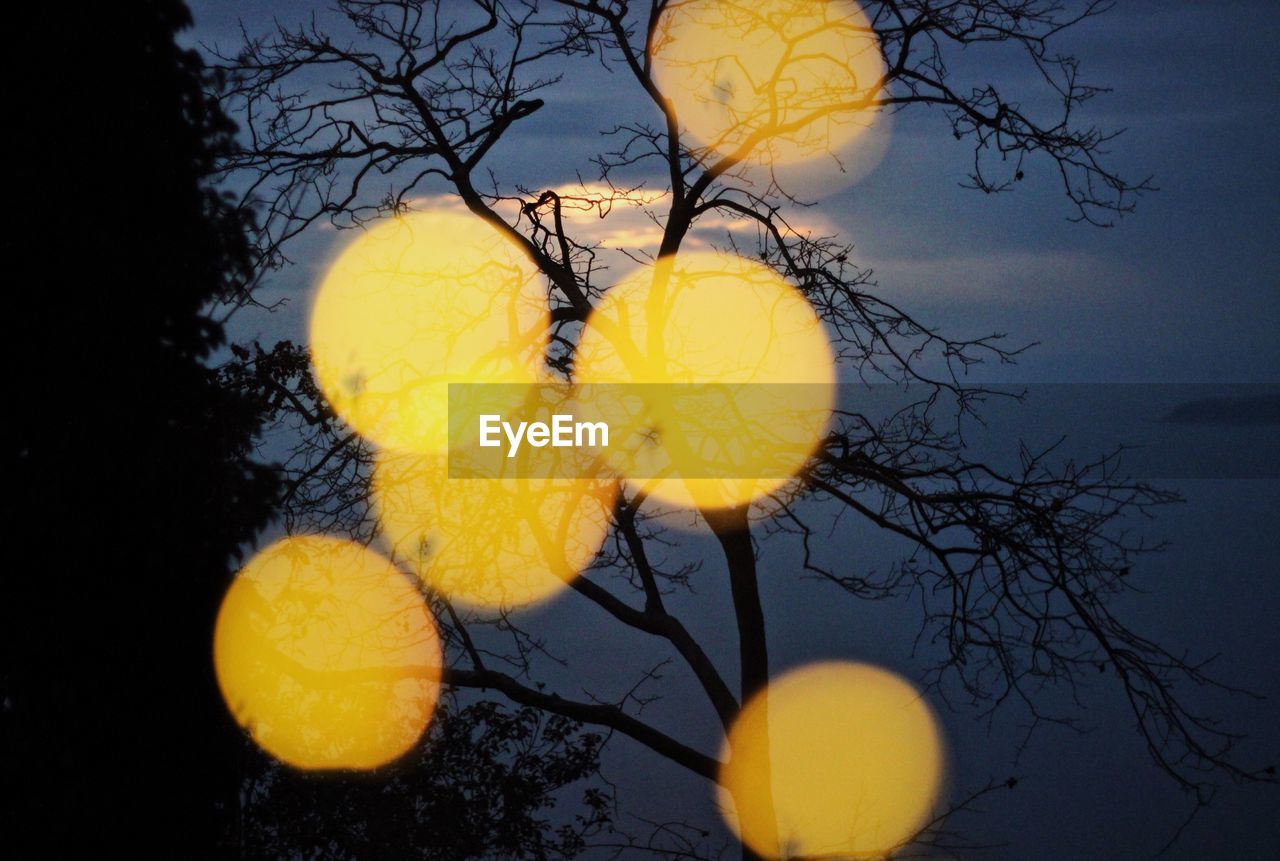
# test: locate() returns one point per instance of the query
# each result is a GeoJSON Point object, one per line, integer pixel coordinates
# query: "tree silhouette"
{"type": "Point", "coordinates": [132, 484]}
{"type": "Point", "coordinates": [1018, 570]}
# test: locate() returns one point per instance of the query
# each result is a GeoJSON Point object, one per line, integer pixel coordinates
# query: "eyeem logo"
{"type": "Point", "coordinates": [563, 432]}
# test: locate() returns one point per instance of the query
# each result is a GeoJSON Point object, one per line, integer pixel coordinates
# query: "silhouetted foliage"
{"type": "Point", "coordinates": [133, 487]}
{"type": "Point", "coordinates": [478, 787]}
{"type": "Point", "coordinates": [129, 477]}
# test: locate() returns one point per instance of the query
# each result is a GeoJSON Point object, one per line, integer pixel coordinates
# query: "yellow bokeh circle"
{"type": "Point", "coordinates": [489, 542]}
{"type": "Point", "coordinates": [715, 376]}
{"type": "Point", "coordinates": [793, 78]}
{"type": "Point", "coordinates": [327, 655]}
{"type": "Point", "coordinates": [833, 760]}
{"type": "Point", "coordinates": [413, 304]}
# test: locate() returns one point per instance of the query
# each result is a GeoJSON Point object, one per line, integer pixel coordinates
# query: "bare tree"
{"type": "Point", "coordinates": [348, 121]}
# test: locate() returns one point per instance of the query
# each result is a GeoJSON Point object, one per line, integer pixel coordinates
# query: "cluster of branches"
{"type": "Point", "coordinates": [1018, 570]}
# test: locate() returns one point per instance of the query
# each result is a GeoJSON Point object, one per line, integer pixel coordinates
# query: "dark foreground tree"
{"type": "Point", "coordinates": [130, 482]}
{"type": "Point", "coordinates": [1017, 570]}
{"type": "Point", "coordinates": [133, 487]}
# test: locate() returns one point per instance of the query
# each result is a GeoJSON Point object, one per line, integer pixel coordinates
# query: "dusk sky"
{"type": "Point", "coordinates": [1184, 290]}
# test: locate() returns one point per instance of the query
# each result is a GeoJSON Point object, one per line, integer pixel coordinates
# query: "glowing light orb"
{"type": "Point", "coordinates": [414, 304]}
{"type": "Point", "coordinates": [833, 760]}
{"type": "Point", "coordinates": [327, 655]}
{"type": "Point", "coordinates": [821, 177]}
{"type": "Point", "coordinates": [489, 542]}
{"type": "Point", "coordinates": [715, 377]}
{"type": "Point", "coordinates": [791, 77]}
